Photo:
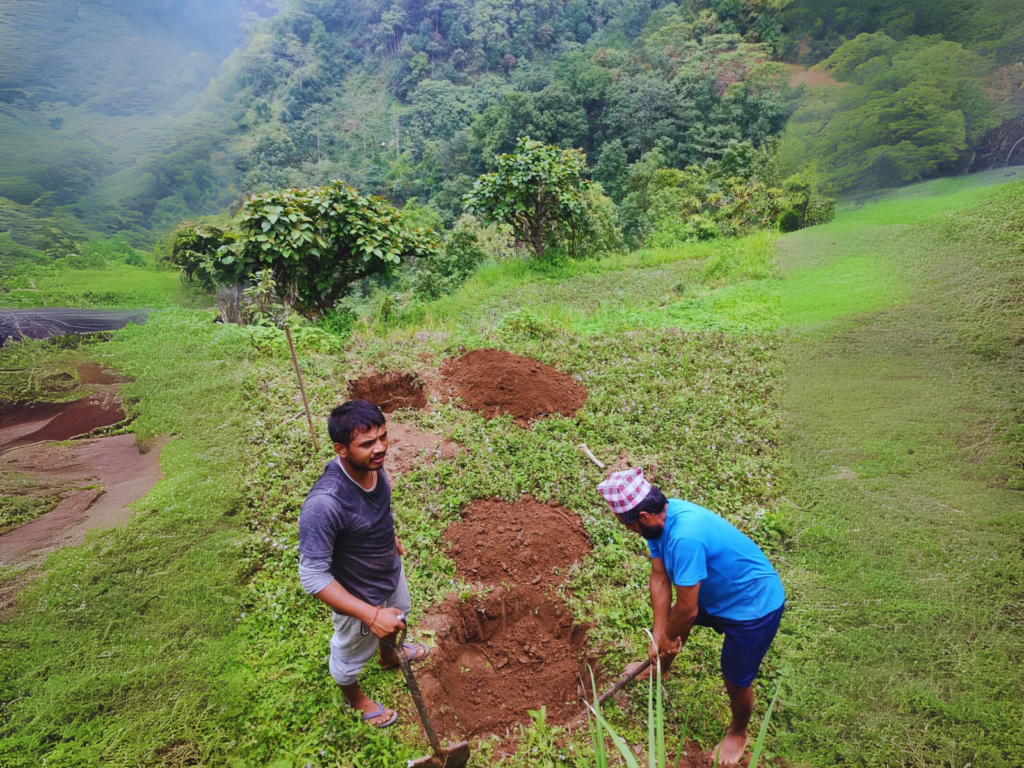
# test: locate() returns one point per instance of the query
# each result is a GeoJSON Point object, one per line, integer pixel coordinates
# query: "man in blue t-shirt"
{"type": "Point", "coordinates": [722, 580]}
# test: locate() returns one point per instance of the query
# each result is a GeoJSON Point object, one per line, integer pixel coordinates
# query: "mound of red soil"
{"type": "Point", "coordinates": [520, 543]}
{"type": "Point", "coordinates": [500, 657]}
{"type": "Point", "coordinates": [390, 391]}
{"type": "Point", "coordinates": [492, 382]}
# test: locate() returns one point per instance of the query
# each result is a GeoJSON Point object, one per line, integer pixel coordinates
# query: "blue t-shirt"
{"type": "Point", "coordinates": [736, 580]}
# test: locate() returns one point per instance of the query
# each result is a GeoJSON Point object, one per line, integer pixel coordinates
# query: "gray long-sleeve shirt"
{"type": "Point", "coordinates": [314, 573]}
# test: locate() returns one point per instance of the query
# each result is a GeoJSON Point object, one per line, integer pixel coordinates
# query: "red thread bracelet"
{"type": "Point", "coordinates": [374, 618]}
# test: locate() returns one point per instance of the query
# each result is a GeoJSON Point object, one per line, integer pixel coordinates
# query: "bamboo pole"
{"type": "Point", "coordinates": [302, 387]}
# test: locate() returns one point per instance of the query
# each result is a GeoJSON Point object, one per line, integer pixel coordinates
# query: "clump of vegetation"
{"type": "Point", "coordinates": [196, 251]}
{"type": "Point", "coordinates": [318, 240]}
{"type": "Point", "coordinates": [907, 110]}
{"type": "Point", "coordinates": [538, 190]}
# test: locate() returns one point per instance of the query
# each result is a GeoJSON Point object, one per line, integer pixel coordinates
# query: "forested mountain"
{"type": "Point", "coordinates": [112, 117]}
{"type": "Point", "coordinates": [415, 100]}
{"type": "Point", "coordinates": [125, 117]}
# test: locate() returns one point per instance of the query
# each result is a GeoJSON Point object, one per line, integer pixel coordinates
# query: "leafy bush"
{"type": "Point", "coordinates": [597, 232]}
{"type": "Point", "coordinates": [317, 240]}
{"type": "Point", "coordinates": [703, 206]}
{"type": "Point", "coordinates": [195, 250]}
{"type": "Point", "coordinates": [538, 191]}
{"type": "Point", "coordinates": [809, 206]}
{"type": "Point", "coordinates": [443, 271]}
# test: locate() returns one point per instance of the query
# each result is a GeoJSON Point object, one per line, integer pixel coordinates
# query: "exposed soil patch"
{"type": "Point", "coordinates": [497, 658]}
{"type": "Point", "coordinates": [35, 422]}
{"type": "Point", "coordinates": [409, 448]}
{"type": "Point", "coordinates": [96, 479]}
{"type": "Point", "coordinates": [492, 382]}
{"type": "Point", "coordinates": [811, 78]}
{"type": "Point", "coordinates": [524, 543]}
{"type": "Point", "coordinates": [26, 423]}
{"type": "Point", "coordinates": [390, 391]}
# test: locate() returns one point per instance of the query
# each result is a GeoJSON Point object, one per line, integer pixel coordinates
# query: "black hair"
{"type": "Point", "coordinates": [653, 504]}
{"type": "Point", "coordinates": [350, 418]}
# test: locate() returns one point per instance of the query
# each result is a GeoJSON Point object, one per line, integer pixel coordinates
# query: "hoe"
{"type": "Point", "coordinates": [455, 756]}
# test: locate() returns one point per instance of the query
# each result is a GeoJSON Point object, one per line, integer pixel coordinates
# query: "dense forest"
{"type": "Point", "coordinates": [413, 101]}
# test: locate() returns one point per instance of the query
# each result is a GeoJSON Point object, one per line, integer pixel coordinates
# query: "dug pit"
{"type": "Point", "coordinates": [525, 543]}
{"type": "Point", "coordinates": [492, 382]}
{"type": "Point", "coordinates": [515, 649]}
{"type": "Point", "coordinates": [499, 657]}
{"type": "Point", "coordinates": [390, 391]}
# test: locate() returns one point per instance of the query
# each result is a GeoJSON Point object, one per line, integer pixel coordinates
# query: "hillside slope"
{"type": "Point", "coordinates": [111, 116]}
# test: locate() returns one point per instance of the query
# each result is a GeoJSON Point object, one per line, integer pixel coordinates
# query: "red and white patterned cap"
{"type": "Point", "coordinates": [624, 490]}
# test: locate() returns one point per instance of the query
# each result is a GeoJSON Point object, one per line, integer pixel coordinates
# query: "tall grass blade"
{"type": "Point", "coordinates": [659, 721]}
{"type": "Point", "coordinates": [764, 731]}
{"type": "Point", "coordinates": [651, 754]}
{"type": "Point", "coordinates": [600, 758]}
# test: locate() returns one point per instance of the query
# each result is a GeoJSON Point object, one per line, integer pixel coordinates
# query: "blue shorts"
{"type": "Point", "coordinates": [746, 643]}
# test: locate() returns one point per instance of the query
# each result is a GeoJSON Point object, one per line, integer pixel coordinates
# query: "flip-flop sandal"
{"type": "Point", "coordinates": [413, 652]}
{"type": "Point", "coordinates": [380, 711]}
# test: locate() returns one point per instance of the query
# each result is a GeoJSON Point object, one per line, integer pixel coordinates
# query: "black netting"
{"type": "Point", "coordinates": [16, 324]}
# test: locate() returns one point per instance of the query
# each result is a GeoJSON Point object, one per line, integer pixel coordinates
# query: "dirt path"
{"type": "Point", "coordinates": [98, 479]}
{"type": "Point", "coordinates": [904, 568]}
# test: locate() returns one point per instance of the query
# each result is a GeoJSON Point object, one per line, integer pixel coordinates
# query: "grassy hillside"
{"type": "Point", "coordinates": [902, 410]}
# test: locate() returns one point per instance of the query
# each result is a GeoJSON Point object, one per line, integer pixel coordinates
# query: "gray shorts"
{"type": "Point", "coordinates": [353, 643]}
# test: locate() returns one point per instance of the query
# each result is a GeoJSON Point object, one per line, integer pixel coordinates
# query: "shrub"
{"type": "Point", "coordinates": [195, 250]}
{"type": "Point", "coordinates": [318, 240]}
{"type": "Point", "coordinates": [442, 272]}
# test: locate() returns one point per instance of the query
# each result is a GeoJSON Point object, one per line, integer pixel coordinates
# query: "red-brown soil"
{"type": "Point", "coordinates": [521, 543]}
{"type": "Point", "coordinates": [390, 391]}
{"type": "Point", "coordinates": [499, 657]}
{"type": "Point", "coordinates": [492, 382]}
{"type": "Point", "coordinates": [496, 657]}
{"type": "Point", "coordinates": [26, 423]}
{"type": "Point", "coordinates": [123, 470]}
{"type": "Point", "coordinates": [409, 448]}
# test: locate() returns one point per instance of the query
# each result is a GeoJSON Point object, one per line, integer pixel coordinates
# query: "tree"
{"type": "Point", "coordinates": [643, 108]}
{"type": "Point", "coordinates": [611, 168]}
{"type": "Point", "coordinates": [535, 190]}
{"type": "Point", "coordinates": [319, 239]}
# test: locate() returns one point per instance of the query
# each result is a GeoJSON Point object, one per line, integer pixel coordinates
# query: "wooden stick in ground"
{"type": "Point", "coordinates": [302, 387]}
{"type": "Point", "coordinates": [591, 456]}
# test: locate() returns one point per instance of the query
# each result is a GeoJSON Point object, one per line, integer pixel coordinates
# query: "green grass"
{"type": "Point", "coordinates": [117, 287]}
{"type": "Point", "coordinates": [123, 653]}
{"type": "Point", "coordinates": [902, 384]}
{"type": "Point", "coordinates": [185, 638]}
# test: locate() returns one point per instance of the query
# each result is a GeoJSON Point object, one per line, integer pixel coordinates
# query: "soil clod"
{"type": "Point", "coordinates": [390, 391]}
{"type": "Point", "coordinates": [515, 651]}
{"type": "Point", "coordinates": [492, 382]}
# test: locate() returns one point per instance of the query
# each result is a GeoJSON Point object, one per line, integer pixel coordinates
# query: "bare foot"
{"type": "Point", "coordinates": [731, 749]}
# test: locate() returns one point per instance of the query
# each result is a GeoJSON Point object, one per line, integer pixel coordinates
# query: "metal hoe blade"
{"type": "Point", "coordinates": [455, 756]}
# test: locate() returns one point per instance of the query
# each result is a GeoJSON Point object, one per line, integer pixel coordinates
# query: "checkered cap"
{"type": "Point", "coordinates": [624, 490]}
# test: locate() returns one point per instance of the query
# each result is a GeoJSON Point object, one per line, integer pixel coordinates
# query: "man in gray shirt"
{"type": "Point", "coordinates": [349, 556]}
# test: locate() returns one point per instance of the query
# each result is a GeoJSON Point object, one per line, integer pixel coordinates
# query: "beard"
{"type": "Point", "coordinates": [650, 532]}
